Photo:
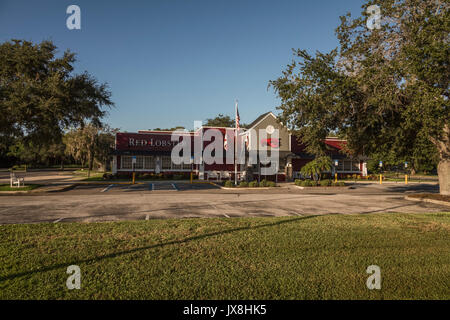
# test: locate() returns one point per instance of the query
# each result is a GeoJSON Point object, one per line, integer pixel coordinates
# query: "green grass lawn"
{"type": "Point", "coordinates": [27, 187]}
{"type": "Point", "coordinates": [315, 257]}
{"type": "Point", "coordinates": [94, 175]}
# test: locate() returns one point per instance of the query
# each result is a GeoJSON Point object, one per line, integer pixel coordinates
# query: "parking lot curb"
{"type": "Point", "coordinates": [444, 203]}
{"type": "Point", "coordinates": [43, 189]}
{"type": "Point", "coordinates": [240, 188]}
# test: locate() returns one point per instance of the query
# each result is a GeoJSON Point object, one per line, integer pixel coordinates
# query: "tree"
{"type": "Point", "coordinates": [91, 144]}
{"type": "Point", "coordinates": [27, 152]}
{"type": "Point", "coordinates": [75, 146]}
{"type": "Point", "coordinates": [316, 167]}
{"type": "Point", "coordinates": [40, 97]}
{"type": "Point", "coordinates": [385, 90]}
{"type": "Point", "coordinates": [169, 129]}
{"type": "Point", "coordinates": [105, 145]}
{"type": "Point", "coordinates": [220, 121]}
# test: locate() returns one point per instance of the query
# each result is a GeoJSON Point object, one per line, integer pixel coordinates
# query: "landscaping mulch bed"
{"type": "Point", "coordinates": [431, 196]}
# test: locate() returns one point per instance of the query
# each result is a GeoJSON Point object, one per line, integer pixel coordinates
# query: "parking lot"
{"type": "Point", "coordinates": [143, 187]}
{"type": "Point", "coordinates": [163, 199]}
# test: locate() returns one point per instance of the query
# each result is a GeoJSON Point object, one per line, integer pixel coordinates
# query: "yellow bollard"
{"type": "Point", "coordinates": [335, 177]}
{"type": "Point", "coordinates": [406, 179]}
{"type": "Point", "coordinates": [134, 175]}
{"type": "Point", "coordinates": [381, 179]}
{"type": "Point", "coordinates": [191, 177]}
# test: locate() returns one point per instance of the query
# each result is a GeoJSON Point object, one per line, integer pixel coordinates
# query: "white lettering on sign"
{"type": "Point", "coordinates": [152, 143]}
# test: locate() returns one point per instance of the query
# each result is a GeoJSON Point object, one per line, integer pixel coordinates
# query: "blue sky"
{"type": "Point", "coordinates": [170, 62]}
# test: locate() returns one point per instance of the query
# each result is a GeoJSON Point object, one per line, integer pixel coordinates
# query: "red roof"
{"type": "Point", "coordinates": [335, 143]}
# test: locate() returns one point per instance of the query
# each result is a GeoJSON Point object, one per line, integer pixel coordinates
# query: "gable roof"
{"type": "Point", "coordinates": [260, 118]}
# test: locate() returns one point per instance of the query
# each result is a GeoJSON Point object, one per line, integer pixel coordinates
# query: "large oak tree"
{"type": "Point", "coordinates": [384, 90]}
{"type": "Point", "coordinates": [40, 96]}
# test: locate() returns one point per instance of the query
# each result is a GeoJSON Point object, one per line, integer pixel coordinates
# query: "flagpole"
{"type": "Point", "coordinates": [235, 143]}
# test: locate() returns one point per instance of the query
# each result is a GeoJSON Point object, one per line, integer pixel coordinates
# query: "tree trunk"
{"type": "Point", "coordinates": [444, 176]}
{"type": "Point", "coordinates": [443, 146]}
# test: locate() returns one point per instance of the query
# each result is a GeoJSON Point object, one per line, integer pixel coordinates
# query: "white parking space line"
{"type": "Point", "coordinates": [107, 188]}
{"type": "Point", "coordinates": [217, 209]}
{"type": "Point", "coordinates": [58, 220]}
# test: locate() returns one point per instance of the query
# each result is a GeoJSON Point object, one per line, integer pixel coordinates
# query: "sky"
{"type": "Point", "coordinates": [171, 62]}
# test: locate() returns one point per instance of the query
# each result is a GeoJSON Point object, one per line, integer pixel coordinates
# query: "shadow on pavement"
{"type": "Point", "coordinates": [429, 188]}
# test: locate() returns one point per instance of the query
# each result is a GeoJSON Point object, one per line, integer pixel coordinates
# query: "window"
{"type": "Point", "coordinates": [126, 162]}
{"type": "Point", "coordinates": [139, 162]}
{"type": "Point", "coordinates": [355, 165]}
{"type": "Point", "coordinates": [176, 166]}
{"type": "Point", "coordinates": [149, 163]}
{"type": "Point", "coordinates": [166, 162]}
{"type": "Point", "coordinates": [187, 166]}
{"type": "Point", "coordinates": [181, 166]}
{"type": "Point", "coordinates": [347, 165]}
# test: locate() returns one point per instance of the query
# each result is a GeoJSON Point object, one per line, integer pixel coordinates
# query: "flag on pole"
{"type": "Point", "coordinates": [235, 145]}
{"type": "Point", "coordinates": [237, 116]}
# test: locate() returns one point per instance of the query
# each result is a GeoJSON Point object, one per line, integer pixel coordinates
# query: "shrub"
{"type": "Point", "coordinates": [341, 184]}
{"type": "Point", "coordinates": [123, 175]}
{"type": "Point", "coordinates": [146, 176]}
{"type": "Point", "coordinates": [229, 184]}
{"type": "Point", "coordinates": [253, 184]}
{"type": "Point", "coordinates": [263, 183]}
{"type": "Point", "coordinates": [243, 184]}
{"type": "Point", "coordinates": [271, 184]}
{"type": "Point", "coordinates": [168, 176]}
{"type": "Point", "coordinates": [306, 183]}
{"type": "Point", "coordinates": [316, 166]}
{"type": "Point", "coordinates": [298, 182]}
{"type": "Point", "coordinates": [325, 183]}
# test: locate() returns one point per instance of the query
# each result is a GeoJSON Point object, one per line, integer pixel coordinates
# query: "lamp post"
{"type": "Point", "coordinates": [381, 175]}
{"type": "Point", "coordinates": [336, 164]}
{"type": "Point", "coordinates": [406, 173]}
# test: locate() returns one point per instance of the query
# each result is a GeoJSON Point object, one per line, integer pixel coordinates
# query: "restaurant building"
{"type": "Point", "coordinates": [150, 152]}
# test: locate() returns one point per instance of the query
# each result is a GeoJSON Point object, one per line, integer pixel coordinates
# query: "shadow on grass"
{"type": "Point", "coordinates": [174, 242]}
